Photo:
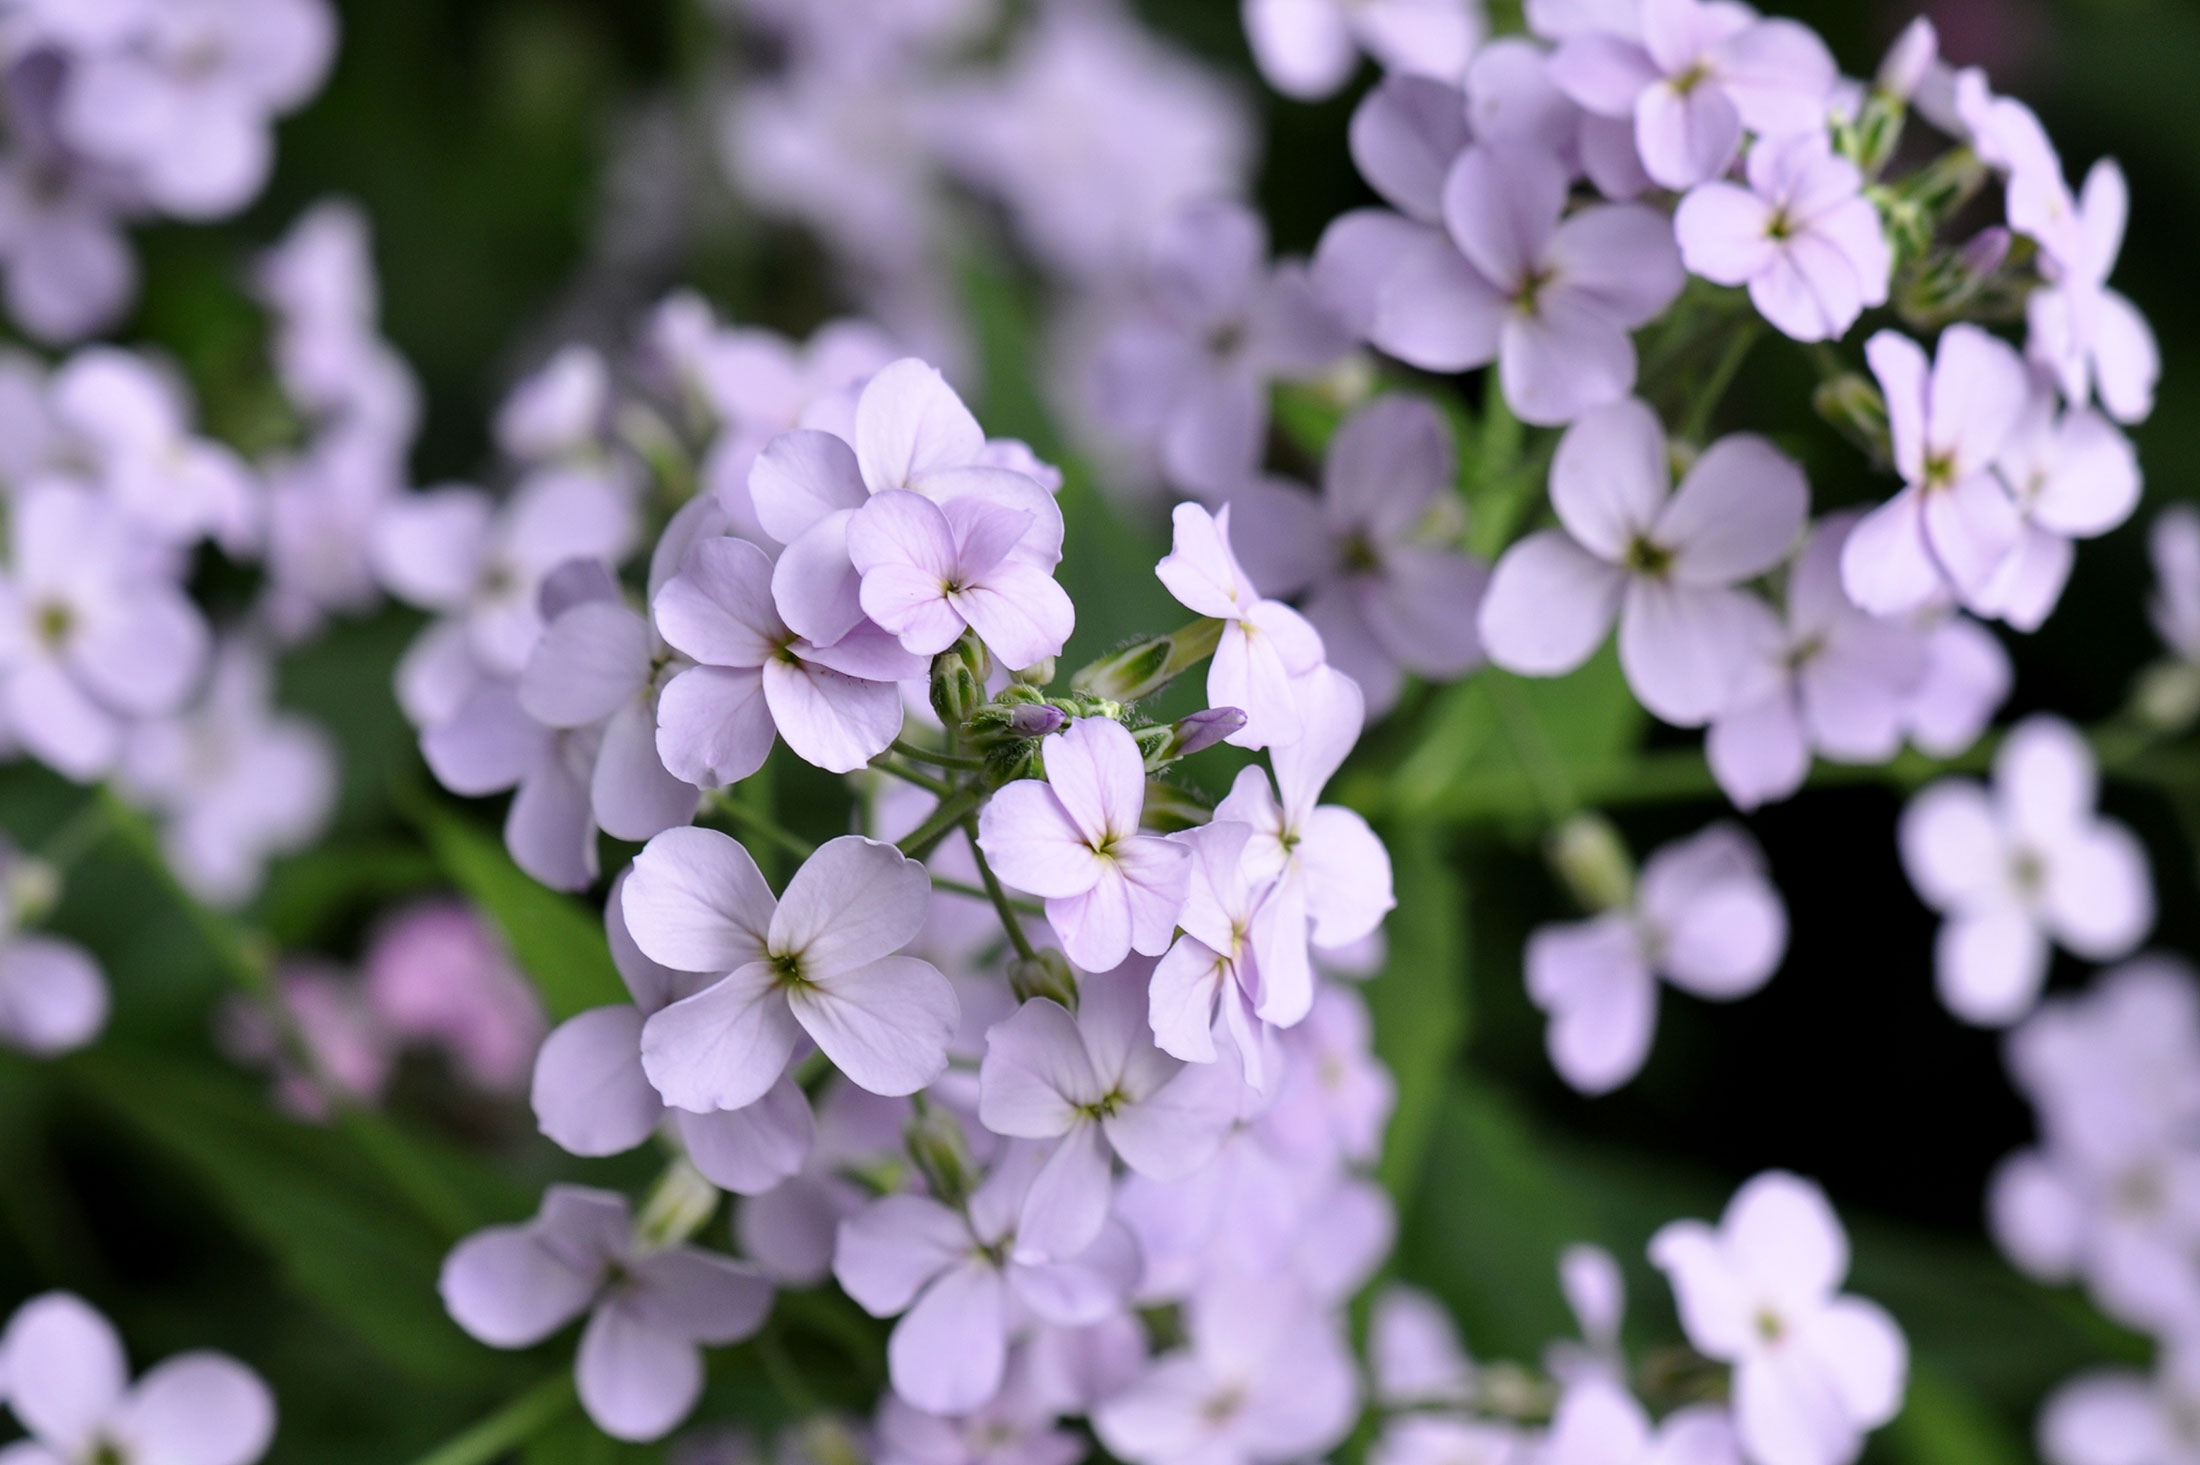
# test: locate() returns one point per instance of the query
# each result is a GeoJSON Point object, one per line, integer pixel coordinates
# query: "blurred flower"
{"type": "Point", "coordinates": [2020, 866]}
{"type": "Point", "coordinates": [68, 1384]}
{"type": "Point", "coordinates": [437, 972]}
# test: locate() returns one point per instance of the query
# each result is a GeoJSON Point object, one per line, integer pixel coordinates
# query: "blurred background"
{"type": "Point", "coordinates": [538, 171]}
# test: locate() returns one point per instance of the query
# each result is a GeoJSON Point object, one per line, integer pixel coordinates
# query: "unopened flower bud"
{"type": "Point", "coordinates": [1038, 674]}
{"type": "Point", "coordinates": [2168, 696]}
{"type": "Point", "coordinates": [1590, 857]}
{"type": "Point", "coordinates": [1137, 672]}
{"type": "Point", "coordinates": [1987, 250]}
{"type": "Point", "coordinates": [1161, 746]}
{"type": "Point", "coordinates": [1202, 730]}
{"type": "Point", "coordinates": [680, 1204]}
{"type": "Point", "coordinates": [1908, 60]}
{"type": "Point", "coordinates": [1170, 808]}
{"type": "Point", "coordinates": [1046, 975]}
{"type": "Point", "coordinates": [1855, 406]}
{"type": "Point", "coordinates": [941, 1154]}
{"type": "Point", "coordinates": [1037, 720]}
{"type": "Point", "coordinates": [33, 889]}
{"type": "Point", "coordinates": [958, 680]}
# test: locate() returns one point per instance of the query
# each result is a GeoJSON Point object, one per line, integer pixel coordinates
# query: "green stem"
{"type": "Point", "coordinates": [1722, 377]}
{"type": "Point", "coordinates": [952, 810]}
{"type": "Point", "coordinates": [999, 897]}
{"type": "Point", "coordinates": [762, 826]}
{"type": "Point", "coordinates": [248, 958]}
{"type": "Point", "coordinates": [1682, 776]}
{"type": "Point", "coordinates": [978, 892]}
{"type": "Point", "coordinates": [907, 774]}
{"type": "Point", "coordinates": [510, 1427]}
{"type": "Point", "coordinates": [79, 836]}
{"type": "Point", "coordinates": [908, 749]}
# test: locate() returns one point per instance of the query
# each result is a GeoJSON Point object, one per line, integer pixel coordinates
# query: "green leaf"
{"type": "Point", "coordinates": [557, 941]}
{"type": "Point", "coordinates": [1499, 744]}
{"type": "Point", "coordinates": [1943, 1424]}
{"type": "Point", "coordinates": [341, 1234]}
{"type": "Point", "coordinates": [1419, 1002]}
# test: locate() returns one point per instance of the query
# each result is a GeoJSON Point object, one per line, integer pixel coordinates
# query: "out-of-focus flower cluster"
{"type": "Point", "coordinates": [120, 110]}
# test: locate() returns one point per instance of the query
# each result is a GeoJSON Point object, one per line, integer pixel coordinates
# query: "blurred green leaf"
{"type": "Point", "coordinates": [557, 941]}
{"type": "Point", "coordinates": [1942, 1424]}
{"type": "Point", "coordinates": [1535, 740]}
{"type": "Point", "coordinates": [340, 1234]}
{"type": "Point", "coordinates": [307, 893]}
{"type": "Point", "coordinates": [574, 1441]}
{"type": "Point", "coordinates": [1419, 1002]}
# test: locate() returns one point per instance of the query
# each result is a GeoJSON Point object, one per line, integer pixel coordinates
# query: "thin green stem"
{"type": "Point", "coordinates": [978, 892]}
{"type": "Point", "coordinates": [247, 956]}
{"type": "Point", "coordinates": [999, 897]}
{"type": "Point", "coordinates": [83, 832]}
{"type": "Point", "coordinates": [509, 1428]}
{"type": "Point", "coordinates": [1722, 377]}
{"type": "Point", "coordinates": [763, 826]}
{"type": "Point", "coordinates": [907, 774]}
{"type": "Point", "coordinates": [908, 749]}
{"type": "Point", "coordinates": [786, 1379]}
{"type": "Point", "coordinates": [1547, 776]}
{"type": "Point", "coordinates": [952, 810]}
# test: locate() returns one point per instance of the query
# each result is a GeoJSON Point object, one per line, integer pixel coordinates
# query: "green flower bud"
{"type": "Point", "coordinates": [1590, 857]}
{"type": "Point", "coordinates": [1138, 671]}
{"type": "Point", "coordinates": [941, 1154]}
{"type": "Point", "coordinates": [958, 680]}
{"type": "Point", "coordinates": [1046, 975]}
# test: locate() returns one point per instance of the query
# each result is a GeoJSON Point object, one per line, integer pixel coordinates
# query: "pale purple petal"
{"type": "Point", "coordinates": [947, 1354]}
{"type": "Point", "coordinates": [854, 901]}
{"type": "Point", "coordinates": [1686, 650]}
{"type": "Point", "coordinates": [590, 1094]}
{"type": "Point", "coordinates": [53, 997]}
{"type": "Point", "coordinates": [511, 1287]}
{"type": "Point", "coordinates": [891, 1249]}
{"type": "Point", "coordinates": [591, 661]}
{"type": "Point", "coordinates": [886, 1024]}
{"type": "Point", "coordinates": [1989, 964]}
{"type": "Point", "coordinates": [637, 1381]}
{"type": "Point", "coordinates": [750, 1150]}
{"type": "Point", "coordinates": [1301, 46]}
{"type": "Point", "coordinates": [800, 478]}
{"type": "Point", "coordinates": [835, 721]}
{"type": "Point", "coordinates": [714, 726]}
{"type": "Point", "coordinates": [1549, 606]}
{"type": "Point", "coordinates": [197, 1409]}
{"type": "Point", "coordinates": [909, 422]}
{"type": "Point", "coordinates": [1738, 513]}
{"type": "Point", "coordinates": [66, 1370]}
{"type": "Point", "coordinates": [1601, 998]}
{"type": "Point", "coordinates": [697, 903]}
{"type": "Point", "coordinates": [1036, 1074]}
{"type": "Point", "coordinates": [1403, 136]}
{"type": "Point", "coordinates": [724, 1047]}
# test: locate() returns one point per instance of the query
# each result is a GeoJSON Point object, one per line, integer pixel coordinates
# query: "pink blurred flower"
{"type": "Point", "coordinates": [437, 972]}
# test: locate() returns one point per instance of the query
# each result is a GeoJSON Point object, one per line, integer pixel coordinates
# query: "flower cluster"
{"type": "Point", "coordinates": [125, 109]}
{"type": "Point", "coordinates": [1144, 988]}
{"type": "Point", "coordinates": [1814, 1369]}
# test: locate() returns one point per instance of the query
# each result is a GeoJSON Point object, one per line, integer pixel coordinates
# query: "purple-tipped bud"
{"type": "Point", "coordinates": [1037, 720]}
{"type": "Point", "coordinates": [1986, 251]}
{"type": "Point", "coordinates": [1202, 730]}
{"type": "Point", "coordinates": [1909, 60]}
